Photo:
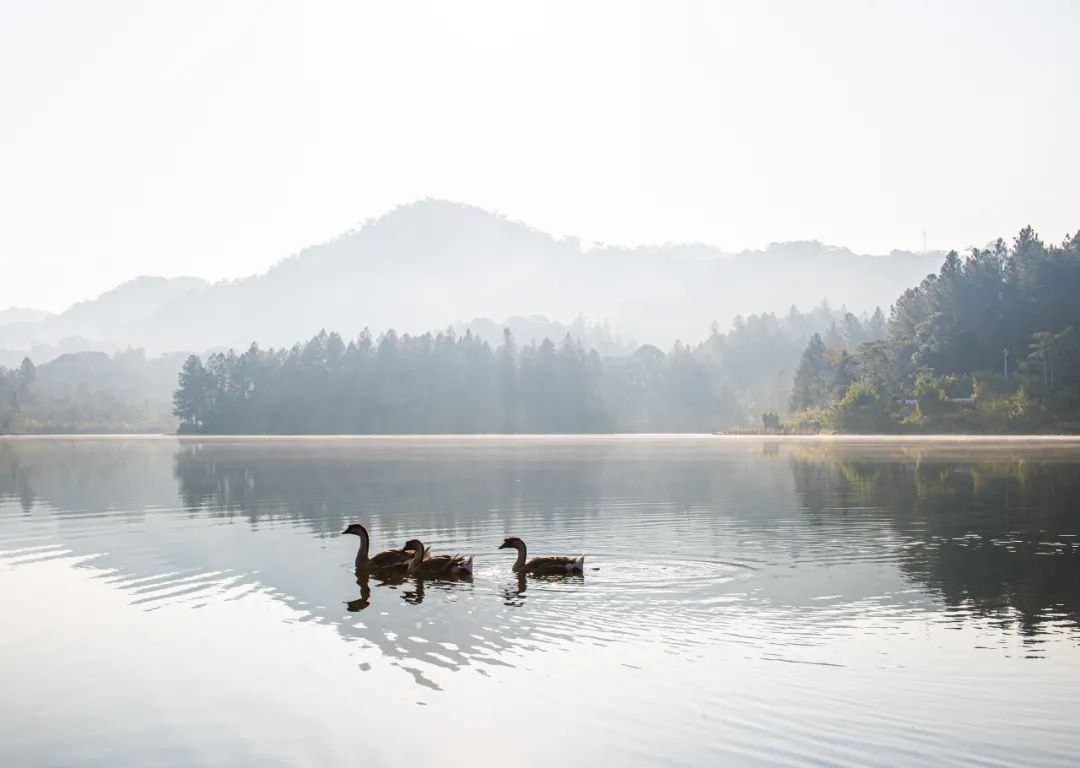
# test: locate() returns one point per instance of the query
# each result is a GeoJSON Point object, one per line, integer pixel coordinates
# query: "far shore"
{"type": "Point", "coordinates": [744, 437]}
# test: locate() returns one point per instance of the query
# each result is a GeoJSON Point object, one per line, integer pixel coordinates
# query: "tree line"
{"type": "Point", "coordinates": [989, 343]}
{"type": "Point", "coordinates": [723, 381]}
{"type": "Point", "coordinates": [445, 383]}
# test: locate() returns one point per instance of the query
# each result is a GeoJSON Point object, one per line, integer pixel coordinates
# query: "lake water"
{"type": "Point", "coordinates": [746, 601]}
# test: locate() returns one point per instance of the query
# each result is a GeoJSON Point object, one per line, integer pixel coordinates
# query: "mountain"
{"type": "Point", "coordinates": [22, 315]}
{"type": "Point", "coordinates": [434, 264]}
{"type": "Point", "coordinates": [110, 322]}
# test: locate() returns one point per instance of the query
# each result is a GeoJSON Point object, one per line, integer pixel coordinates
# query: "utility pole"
{"type": "Point", "coordinates": [1005, 353]}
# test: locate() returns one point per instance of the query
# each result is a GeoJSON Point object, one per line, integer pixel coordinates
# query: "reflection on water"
{"type": "Point", "coordinates": [996, 537]}
{"type": "Point", "coordinates": [927, 577]}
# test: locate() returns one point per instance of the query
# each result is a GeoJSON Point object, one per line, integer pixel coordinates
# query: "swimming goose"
{"type": "Point", "coordinates": [435, 566]}
{"type": "Point", "coordinates": [391, 558]}
{"type": "Point", "coordinates": [548, 565]}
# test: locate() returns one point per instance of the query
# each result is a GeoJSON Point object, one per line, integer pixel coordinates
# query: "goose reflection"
{"type": "Point", "coordinates": [397, 633]}
{"type": "Point", "coordinates": [415, 596]}
{"type": "Point", "coordinates": [514, 594]}
{"type": "Point", "coordinates": [364, 600]}
{"type": "Point", "coordinates": [421, 586]}
{"type": "Point", "coordinates": [363, 580]}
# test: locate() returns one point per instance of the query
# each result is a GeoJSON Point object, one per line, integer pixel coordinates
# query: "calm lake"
{"type": "Point", "coordinates": [746, 601]}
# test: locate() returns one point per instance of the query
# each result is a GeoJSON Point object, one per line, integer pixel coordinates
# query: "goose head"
{"type": "Point", "coordinates": [356, 530]}
{"type": "Point", "coordinates": [414, 545]}
{"type": "Point", "coordinates": [512, 542]}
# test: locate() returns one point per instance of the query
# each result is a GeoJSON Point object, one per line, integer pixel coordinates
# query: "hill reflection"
{"type": "Point", "coordinates": [996, 535]}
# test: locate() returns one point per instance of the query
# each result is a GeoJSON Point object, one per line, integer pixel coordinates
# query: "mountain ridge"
{"type": "Point", "coordinates": [431, 263]}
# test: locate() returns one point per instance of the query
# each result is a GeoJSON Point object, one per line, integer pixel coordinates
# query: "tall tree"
{"type": "Point", "coordinates": [812, 377]}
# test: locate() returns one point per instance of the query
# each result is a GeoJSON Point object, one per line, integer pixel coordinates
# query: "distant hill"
{"type": "Point", "coordinates": [433, 264]}
{"type": "Point", "coordinates": [110, 322]}
{"type": "Point", "coordinates": [22, 315]}
{"type": "Point", "coordinates": [130, 377]}
{"type": "Point", "coordinates": [11, 358]}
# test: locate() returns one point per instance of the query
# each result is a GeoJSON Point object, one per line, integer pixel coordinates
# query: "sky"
{"type": "Point", "coordinates": [213, 139]}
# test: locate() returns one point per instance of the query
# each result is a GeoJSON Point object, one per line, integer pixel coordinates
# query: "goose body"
{"type": "Point", "coordinates": [425, 564]}
{"type": "Point", "coordinates": [381, 561]}
{"type": "Point", "coordinates": [547, 565]}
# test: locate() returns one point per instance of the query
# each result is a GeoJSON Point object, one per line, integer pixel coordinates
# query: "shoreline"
{"type": "Point", "coordinates": [882, 438]}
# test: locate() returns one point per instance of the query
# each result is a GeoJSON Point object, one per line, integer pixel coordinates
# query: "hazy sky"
{"type": "Point", "coordinates": [213, 138]}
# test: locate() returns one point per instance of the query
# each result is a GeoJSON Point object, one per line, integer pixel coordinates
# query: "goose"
{"type": "Point", "coordinates": [548, 565]}
{"type": "Point", "coordinates": [434, 566]}
{"type": "Point", "coordinates": [391, 558]}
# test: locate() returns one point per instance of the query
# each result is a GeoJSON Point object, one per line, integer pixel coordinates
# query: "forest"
{"type": "Point", "coordinates": [444, 383]}
{"type": "Point", "coordinates": [726, 380]}
{"type": "Point", "coordinates": [89, 392]}
{"type": "Point", "coordinates": [450, 383]}
{"type": "Point", "coordinates": [989, 344]}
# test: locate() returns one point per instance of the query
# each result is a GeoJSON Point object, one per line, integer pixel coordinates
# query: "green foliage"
{"type": "Point", "coordinates": [770, 420]}
{"type": "Point", "coordinates": [812, 378]}
{"type": "Point", "coordinates": [989, 343]}
{"type": "Point", "coordinates": [929, 395]}
{"type": "Point", "coordinates": [759, 356]}
{"type": "Point", "coordinates": [862, 409]}
{"type": "Point", "coordinates": [811, 421]}
{"type": "Point", "coordinates": [193, 400]}
{"type": "Point", "coordinates": [963, 318]}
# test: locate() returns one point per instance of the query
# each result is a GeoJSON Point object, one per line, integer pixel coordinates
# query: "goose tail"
{"type": "Point", "coordinates": [467, 565]}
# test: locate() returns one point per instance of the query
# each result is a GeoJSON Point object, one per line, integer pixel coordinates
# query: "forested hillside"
{"type": "Point", "coordinates": [89, 392]}
{"type": "Point", "coordinates": [988, 344]}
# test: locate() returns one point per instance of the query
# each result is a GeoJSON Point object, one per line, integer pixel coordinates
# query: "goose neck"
{"type": "Point", "coordinates": [362, 553]}
{"type": "Point", "coordinates": [418, 557]}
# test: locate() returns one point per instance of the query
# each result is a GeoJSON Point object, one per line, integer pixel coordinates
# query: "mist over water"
{"type": "Point", "coordinates": [854, 601]}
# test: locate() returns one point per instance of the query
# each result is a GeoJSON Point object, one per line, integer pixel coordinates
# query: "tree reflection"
{"type": "Point", "coordinates": [996, 537]}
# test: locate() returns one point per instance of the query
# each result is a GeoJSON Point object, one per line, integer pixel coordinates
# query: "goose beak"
{"type": "Point", "coordinates": [345, 531]}
{"type": "Point", "coordinates": [504, 545]}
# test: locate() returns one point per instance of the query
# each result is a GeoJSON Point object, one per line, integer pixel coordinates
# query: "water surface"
{"type": "Point", "coordinates": [173, 602]}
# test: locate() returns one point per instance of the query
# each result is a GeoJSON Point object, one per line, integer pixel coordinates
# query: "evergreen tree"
{"type": "Point", "coordinates": [812, 377]}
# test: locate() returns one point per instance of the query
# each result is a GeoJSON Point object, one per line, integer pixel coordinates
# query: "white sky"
{"type": "Point", "coordinates": [212, 139]}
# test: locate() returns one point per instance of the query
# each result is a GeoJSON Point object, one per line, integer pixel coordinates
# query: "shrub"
{"type": "Point", "coordinates": [929, 395]}
{"type": "Point", "coordinates": [862, 409]}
